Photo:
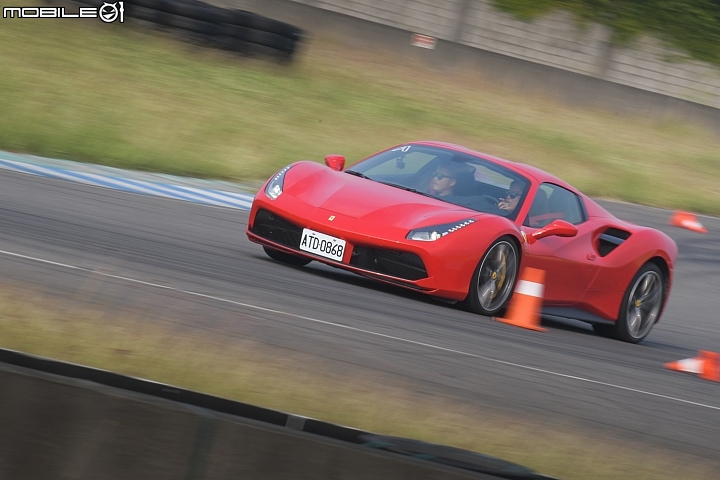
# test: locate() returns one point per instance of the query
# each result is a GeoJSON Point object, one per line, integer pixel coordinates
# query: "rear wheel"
{"type": "Point", "coordinates": [494, 279]}
{"type": "Point", "coordinates": [641, 306]}
{"type": "Point", "coordinates": [286, 257]}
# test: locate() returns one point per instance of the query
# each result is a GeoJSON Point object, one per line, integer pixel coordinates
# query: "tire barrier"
{"type": "Point", "coordinates": [192, 25]}
{"type": "Point", "coordinates": [143, 13]}
{"type": "Point", "coordinates": [171, 432]}
{"type": "Point", "coordinates": [235, 30]}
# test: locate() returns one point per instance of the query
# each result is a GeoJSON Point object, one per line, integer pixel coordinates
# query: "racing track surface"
{"type": "Point", "coordinates": [220, 281]}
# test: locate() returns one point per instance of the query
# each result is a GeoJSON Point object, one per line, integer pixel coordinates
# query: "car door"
{"type": "Point", "coordinates": [568, 262]}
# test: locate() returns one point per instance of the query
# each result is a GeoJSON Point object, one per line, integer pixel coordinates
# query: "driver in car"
{"type": "Point", "coordinates": [511, 199]}
{"type": "Point", "coordinates": [446, 175]}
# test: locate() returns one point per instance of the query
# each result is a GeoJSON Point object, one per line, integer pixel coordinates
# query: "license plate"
{"type": "Point", "coordinates": [321, 244]}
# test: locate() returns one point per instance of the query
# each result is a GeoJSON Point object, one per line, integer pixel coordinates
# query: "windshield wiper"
{"type": "Point", "coordinates": [409, 189]}
{"type": "Point", "coordinates": [357, 174]}
{"type": "Point", "coordinates": [396, 185]}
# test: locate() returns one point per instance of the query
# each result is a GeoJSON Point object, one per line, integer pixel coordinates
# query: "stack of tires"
{"type": "Point", "coordinates": [235, 30]}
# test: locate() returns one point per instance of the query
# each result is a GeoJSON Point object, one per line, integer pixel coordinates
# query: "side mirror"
{"type": "Point", "coordinates": [336, 162]}
{"type": "Point", "coordinates": [557, 228]}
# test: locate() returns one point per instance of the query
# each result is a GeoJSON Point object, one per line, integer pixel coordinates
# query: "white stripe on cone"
{"type": "Point", "coordinates": [691, 224]}
{"type": "Point", "coordinates": [690, 365]}
{"type": "Point", "coordinates": [532, 289]}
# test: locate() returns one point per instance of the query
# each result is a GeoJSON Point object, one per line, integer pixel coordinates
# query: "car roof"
{"type": "Point", "coordinates": [540, 176]}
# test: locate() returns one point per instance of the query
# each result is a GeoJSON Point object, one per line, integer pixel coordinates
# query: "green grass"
{"type": "Point", "coordinates": [125, 96]}
{"type": "Point", "coordinates": [343, 393]}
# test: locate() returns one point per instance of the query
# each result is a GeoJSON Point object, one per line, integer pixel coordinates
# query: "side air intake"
{"type": "Point", "coordinates": [610, 239]}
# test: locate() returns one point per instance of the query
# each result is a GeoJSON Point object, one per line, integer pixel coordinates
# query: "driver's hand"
{"type": "Point", "coordinates": [503, 205]}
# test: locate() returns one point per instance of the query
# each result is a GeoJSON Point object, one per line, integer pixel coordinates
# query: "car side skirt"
{"type": "Point", "coordinates": [575, 314]}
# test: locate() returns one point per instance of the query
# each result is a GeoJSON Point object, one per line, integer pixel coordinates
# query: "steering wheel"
{"type": "Point", "coordinates": [490, 199]}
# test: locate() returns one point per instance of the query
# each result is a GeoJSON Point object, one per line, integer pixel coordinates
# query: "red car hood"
{"type": "Point", "coordinates": [371, 201]}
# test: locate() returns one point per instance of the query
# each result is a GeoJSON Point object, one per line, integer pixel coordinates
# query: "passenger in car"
{"type": "Point", "coordinates": [511, 199]}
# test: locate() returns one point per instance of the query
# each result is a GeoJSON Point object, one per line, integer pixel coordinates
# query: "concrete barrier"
{"type": "Point", "coordinates": [66, 426]}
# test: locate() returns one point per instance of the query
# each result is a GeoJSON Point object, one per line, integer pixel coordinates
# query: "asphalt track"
{"type": "Point", "coordinates": [193, 263]}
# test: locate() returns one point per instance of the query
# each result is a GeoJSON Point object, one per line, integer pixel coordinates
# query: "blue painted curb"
{"type": "Point", "coordinates": [193, 190]}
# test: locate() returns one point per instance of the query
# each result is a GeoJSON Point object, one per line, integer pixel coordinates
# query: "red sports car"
{"type": "Point", "coordinates": [457, 224]}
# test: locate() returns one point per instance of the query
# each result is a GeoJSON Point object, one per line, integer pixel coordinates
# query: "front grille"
{"type": "Point", "coordinates": [405, 265]}
{"type": "Point", "coordinates": [389, 262]}
{"type": "Point", "coordinates": [276, 229]}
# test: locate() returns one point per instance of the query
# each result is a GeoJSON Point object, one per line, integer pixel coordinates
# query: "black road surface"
{"type": "Point", "coordinates": [78, 241]}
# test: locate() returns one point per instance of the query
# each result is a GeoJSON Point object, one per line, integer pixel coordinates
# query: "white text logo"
{"type": "Point", "coordinates": [108, 12]}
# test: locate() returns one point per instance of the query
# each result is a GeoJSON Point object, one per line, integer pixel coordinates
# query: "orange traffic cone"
{"type": "Point", "coordinates": [687, 220]}
{"type": "Point", "coordinates": [524, 310]}
{"type": "Point", "coordinates": [706, 364]}
{"type": "Point", "coordinates": [711, 370]}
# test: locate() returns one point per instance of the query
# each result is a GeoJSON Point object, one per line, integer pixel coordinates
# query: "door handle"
{"type": "Point", "coordinates": [592, 257]}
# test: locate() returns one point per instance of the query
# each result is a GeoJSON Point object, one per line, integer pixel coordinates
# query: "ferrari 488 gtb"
{"type": "Point", "coordinates": [460, 225]}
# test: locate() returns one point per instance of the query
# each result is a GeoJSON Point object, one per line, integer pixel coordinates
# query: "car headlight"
{"type": "Point", "coordinates": [275, 185]}
{"type": "Point", "coordinates": [430, 234]}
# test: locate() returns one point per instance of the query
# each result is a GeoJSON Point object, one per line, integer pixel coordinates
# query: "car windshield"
{"type": "Point", "coordinates": [451, 176]}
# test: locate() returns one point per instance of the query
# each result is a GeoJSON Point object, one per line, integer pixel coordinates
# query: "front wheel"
{"type": "Point", "coordinates": [286, 257]}
{"type": "Point", "coordinates": [494, 279]}
{"type": "Point", "coordinates": [641, 306]}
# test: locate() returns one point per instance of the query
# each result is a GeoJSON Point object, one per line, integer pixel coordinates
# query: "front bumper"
{"type": "Point", "coordinates": [365, 254]}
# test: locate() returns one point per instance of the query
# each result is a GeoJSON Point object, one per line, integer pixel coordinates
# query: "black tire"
{"type": "Point", "coordinates": [495, 275]}
{"type": "Point", "coordinates": [189, 24]}
{"type": "Point", "coordinates": [235, 44]}
{"type": "Point", "coordinates": [286, 257]}
{"type": "Point", "coordinates": [642, 303]}
{"type": "Point", "coordinates": [270, 40]}
{"type": "Point", "coordinates": [144, 13]}
{"type": "Point", "coordinates": [166, 6]}
{"type": "Point", "coordinates": [199, 11]}
{"type": "Point", "coordinates": [273, 26]}
{"type": "Point", "coordinates": [258, 37]}
{"type": "Point", "coordinates": [258, 22]}
{"type": "Point", "coordinates": [235, 31]}
{"type": "Point", "coordinates": [232, 44]}
{"type": "Point", "coordinates": [241, 18]}
{"type": "Point", "coordinates": [149, 4]}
